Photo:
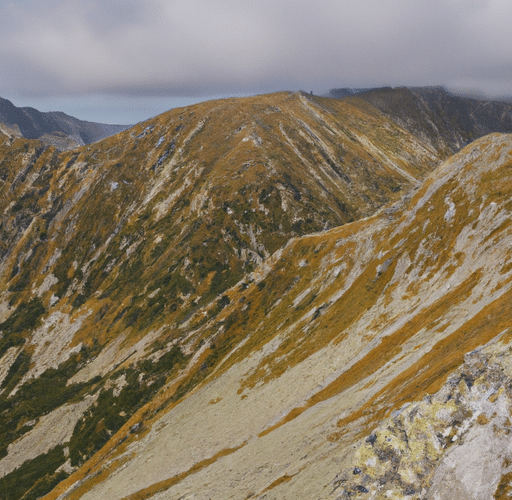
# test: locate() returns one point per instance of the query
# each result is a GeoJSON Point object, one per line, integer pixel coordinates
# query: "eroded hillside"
{"type": "Point", "coordinates": [168, 215]}
{"type": "Point", "coordinates": [331, 335]}
{"type": "Point", "coordinates": [171, 330]}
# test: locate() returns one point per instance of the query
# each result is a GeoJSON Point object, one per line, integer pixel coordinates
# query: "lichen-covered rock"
{"type": "Point", "coordinates": [454, 444]}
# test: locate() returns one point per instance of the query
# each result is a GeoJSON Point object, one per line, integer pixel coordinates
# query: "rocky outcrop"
{"type": "Point", "coordinates": [453, 444]}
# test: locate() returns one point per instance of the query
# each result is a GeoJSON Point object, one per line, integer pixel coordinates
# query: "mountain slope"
{"type": "Point", "coordinates": [346, 91]}
{"type": "Point", "coordinates": [341, 328]}
{"type": "Point", "coordinates": [106, 250]}
{"type": "Point", "coordinates": [54, 128]}
{"type": "Point", "coordinates": [169, 327]}
{"type": "Point", "coordinates": [226, 203]}
{"type": "Point", "coordinates": [445, 121]}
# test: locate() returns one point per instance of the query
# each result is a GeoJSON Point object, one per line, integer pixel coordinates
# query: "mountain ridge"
{"type": "Point", "coordinates": [365, 383]}
{"type": "Point", "coordinates": [225, 300]}
{"type": "Point", "coordinates": [447, 121]}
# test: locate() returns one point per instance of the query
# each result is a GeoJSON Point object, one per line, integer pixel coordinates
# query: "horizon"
{"type": "Point", "coordinates": [123, 61]}
{"type": "Point", "coordinates": [96, 112]}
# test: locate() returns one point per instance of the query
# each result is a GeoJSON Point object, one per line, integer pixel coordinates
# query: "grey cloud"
{"type": "Point", "coordinates": [199, 47]}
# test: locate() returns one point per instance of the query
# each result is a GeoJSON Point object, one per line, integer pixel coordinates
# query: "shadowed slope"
{"type": "Point", "coordinates": [443, 120]}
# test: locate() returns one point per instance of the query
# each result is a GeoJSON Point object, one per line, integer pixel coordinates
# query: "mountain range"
{"type": "Point", "coordinates": [52, 128]}
{"type": "Point", "coordinates": [278, 296]}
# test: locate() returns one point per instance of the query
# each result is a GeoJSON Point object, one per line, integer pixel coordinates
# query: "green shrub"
{"type": "Point", "coordinates": [110, 412]}
{"type": "Point", "coordinates": [34, 478]}
{"type": "Point", "coordinates": [37, 397]}
{"type": "Point", "coordinates": [26, 317]}
{"type": "Point", "coordinates": [20, 366]}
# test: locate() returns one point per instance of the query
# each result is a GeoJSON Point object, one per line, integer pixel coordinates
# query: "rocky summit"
{"type": "Point", "coordinates": [272, 297]}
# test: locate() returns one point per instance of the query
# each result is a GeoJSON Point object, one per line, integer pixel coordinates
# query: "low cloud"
{"type": "Point", "coordinates": [211, 47]}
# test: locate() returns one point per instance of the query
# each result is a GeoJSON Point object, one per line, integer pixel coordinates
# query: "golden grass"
{"type": "Point", "coordinates": [168, 483]}
{"type": "Point", "coordinates": [429, 373]}
{"type": "Point", "coordinates": [388, 349]}
{"type": "Point", "coordinates": [281, 480]}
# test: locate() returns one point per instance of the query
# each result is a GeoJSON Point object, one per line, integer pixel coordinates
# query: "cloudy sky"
{"type": "Point", "coordinates": [122, 61]}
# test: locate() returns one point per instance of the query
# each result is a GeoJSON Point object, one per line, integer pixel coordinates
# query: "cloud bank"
{"type": "Point", "coordinates": [210, 47]}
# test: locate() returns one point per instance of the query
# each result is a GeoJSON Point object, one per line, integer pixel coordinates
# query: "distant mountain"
{"type": "Point", "coordinates": [56, 128]}
{"type": "Point", "coordinates": [346, 91]}
{"type": "Point", "coordinates": [444, 120]}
